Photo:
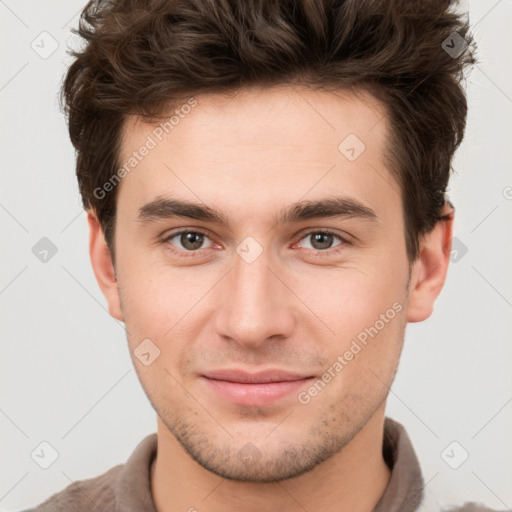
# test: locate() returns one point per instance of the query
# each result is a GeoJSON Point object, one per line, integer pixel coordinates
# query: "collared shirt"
{"type": "Point", "coordinates": [127, 487]}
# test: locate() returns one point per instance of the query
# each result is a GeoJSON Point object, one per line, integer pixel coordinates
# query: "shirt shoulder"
{"type": "Point", "coordinates": [123, 488]}
{"type": "Point", "coordinates": [472, 507]}
{"type": "Point", "coordinates": [84, 495]}
{"type": "Point", "coordinates": [431, 504]}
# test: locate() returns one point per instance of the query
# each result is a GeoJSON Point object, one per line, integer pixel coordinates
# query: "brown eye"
{"type": "Point", "coordinates": [322, 240]}
{"type": "Point", "coordinates": [189, 240]}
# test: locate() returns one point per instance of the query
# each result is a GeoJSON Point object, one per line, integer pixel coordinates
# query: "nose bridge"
{"type": "Point", "coordinates": [255, 306]}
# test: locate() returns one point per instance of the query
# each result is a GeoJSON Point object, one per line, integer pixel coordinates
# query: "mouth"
{"type": "Point", "coordinates": [256, 389]}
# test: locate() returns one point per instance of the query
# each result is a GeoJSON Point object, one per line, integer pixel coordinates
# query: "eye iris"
{"type": "Point", "coordinates": [324, 240]}
{"type": "Point", "coordinates": [191, 240]}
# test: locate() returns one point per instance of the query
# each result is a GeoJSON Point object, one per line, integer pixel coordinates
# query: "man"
{"type": "Point", "coordinates": [265, 186]}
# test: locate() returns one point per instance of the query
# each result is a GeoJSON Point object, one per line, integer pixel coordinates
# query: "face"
{"type": "Point", "coordinates": [270, 318]}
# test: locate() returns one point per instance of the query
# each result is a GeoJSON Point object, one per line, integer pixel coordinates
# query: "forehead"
{"type": "Point", "coordinates": [279, 142]}
{"type": "Point", "coordinates": [257, 114]}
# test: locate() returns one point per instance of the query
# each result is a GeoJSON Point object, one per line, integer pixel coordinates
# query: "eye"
{"type": "Point", "coordinates": [190, 241]}
{"type": "Point", "coordinates": [322, 240]}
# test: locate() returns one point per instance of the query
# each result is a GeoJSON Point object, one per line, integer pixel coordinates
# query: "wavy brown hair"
{"type": "Point", "coordinates": [142, 57]}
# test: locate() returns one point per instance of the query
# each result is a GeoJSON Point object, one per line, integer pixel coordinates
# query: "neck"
{"type": "Point", "coordinates": [354, 479]}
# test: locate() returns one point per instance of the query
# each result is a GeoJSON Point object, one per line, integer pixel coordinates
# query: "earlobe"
{"type": "Point", "coordinates": [103, 268]}
{"type": "Point", "coordinates": [430, 269]}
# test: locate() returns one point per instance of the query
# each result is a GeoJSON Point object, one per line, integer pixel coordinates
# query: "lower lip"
{"type": "Point", "coordinates": [255, 394]}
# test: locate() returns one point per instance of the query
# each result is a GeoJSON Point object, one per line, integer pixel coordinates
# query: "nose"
{"type": "Point", "coordinates": [256, 305]}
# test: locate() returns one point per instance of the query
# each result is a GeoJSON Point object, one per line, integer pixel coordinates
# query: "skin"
{"type": "Point", "coordinates": [249, 156]}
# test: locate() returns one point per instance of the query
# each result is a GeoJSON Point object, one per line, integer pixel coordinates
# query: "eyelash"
{"type": "Point", "coordinates": [316, 252]}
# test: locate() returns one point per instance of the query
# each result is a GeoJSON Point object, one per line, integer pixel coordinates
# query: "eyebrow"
{"type": "Point", "coordinates": [162, 208]}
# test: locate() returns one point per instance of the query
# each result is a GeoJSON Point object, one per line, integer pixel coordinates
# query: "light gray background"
{"type": "Point", "coordinates": [66, 374]}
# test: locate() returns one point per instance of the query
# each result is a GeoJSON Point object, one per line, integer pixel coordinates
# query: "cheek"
{"type": "Point", "coordinates": [162, 303]}
{"type": "Point", "coordinates": [345, 301]}
{"type": "Point", "coordinates": [363, 308]}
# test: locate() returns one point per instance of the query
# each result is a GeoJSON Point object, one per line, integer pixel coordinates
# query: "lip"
{"type": "Point", "coordinates": [257, 389]}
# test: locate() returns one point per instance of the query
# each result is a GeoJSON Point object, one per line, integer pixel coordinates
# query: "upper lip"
{"type": "Point", "coordinates": [262, 377]}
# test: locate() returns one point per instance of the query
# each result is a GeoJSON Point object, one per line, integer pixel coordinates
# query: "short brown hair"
{"type": "Point", "coordinates": [143, 56]}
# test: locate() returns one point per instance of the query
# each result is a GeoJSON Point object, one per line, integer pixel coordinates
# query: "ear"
{"type": "Point", "coordinates": [429, 270]}
{"type": "Point", "coordinates": [102, 266]}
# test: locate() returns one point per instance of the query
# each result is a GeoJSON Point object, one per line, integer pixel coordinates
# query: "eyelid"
{"type": "Point", "coordinates": [172, 234]}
